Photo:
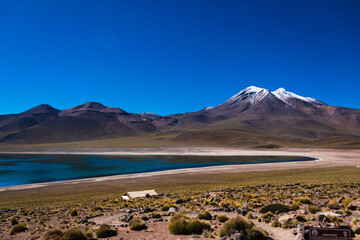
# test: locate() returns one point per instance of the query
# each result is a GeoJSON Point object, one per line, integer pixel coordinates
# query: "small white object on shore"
{"type": "Point", "coordinates": [146, 193]}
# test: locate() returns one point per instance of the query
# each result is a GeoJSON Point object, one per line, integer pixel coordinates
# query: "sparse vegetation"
{"type": "Point", "coordinates": [266, 217]}
{"type": "Point", "coordinates": [294, 206]}
{"type": "Point", "coordinates": [73, 234]}
{"type": "Point", "coordinates": [137, 224]}
{"type": "Point", "coordinates": [275, 223]}
{"type": "Point", "coordinates": [155, 215]}
{"type": "Point", "coordinates": [304, 200]}
{"type": "Point", "coordinates": [244, 225]}
{"type": "Point", "coordinates": [249, 199]}
{"type": "Point", "coordinates": [205, 216]}
{"type": "Point", "coordinates": [275, 208]}
{"type": "Point", "coordinates": [73, 213]}
{"type": "Point", "coordinates": [313, 209]}
{"type": "Point", "coordinates": [17, 229]}
{"type": "Point", "coordinates": [54, 234]}
{"type": "Point", "coordinates": [166, 207]}
{"type": "Point", "coordinates": [105, 231]}
{"type": "Point", "coordinates": [250, 215]}
{"type": "Point", "coordinates": [222, 218]}
{"type": "Point", "coordinates": [14, 221]}
{"type": "Point", "coordinates": [184, 225]}
{"type": "Point", "coordinates": [96, 208]}
{"type": "Point", "coordinates": [333, 205]}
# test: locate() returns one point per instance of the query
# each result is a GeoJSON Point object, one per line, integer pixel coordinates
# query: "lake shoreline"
{"type": "Point", "coordinates": [326, 158]}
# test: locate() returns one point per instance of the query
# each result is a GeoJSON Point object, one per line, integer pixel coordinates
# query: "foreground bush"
{"type": "Point", "coordinates": [137, 224]}
{"type": "Point", "coordinates": [96, 208]}
{"type": "Point", "coordinates": [295, 206]}
{"type": "Point", "coordinates": [275, 208]}
{"type": "Point", "coordinates": [155, 215]}
{"type": "Point", "coordinates": [205, 216]}
{"type": "Point", "coordinates": [249, 215]}
{"type": "Point", "coordinates": [266, 217]}
{"type": "Point", "coordinates": [242, 225]}
{"type": "Point", "coordinates": [255, 234]}
{"type": "Point", "coordinates": [304, 200]}
{"type": "Point", "coordinates": [105, 231]}
{"type": "Point", "coordinates": [167, 206]}
{"type": "Point", "coordinates": [313, 209]}
{"type": "Point", "coordinates": [14, 221]}
{"type": "Point", "coordinates": [184, 225]}
{"type": "Point", "coordinates": [275, 223]}
{"type": "Point", "coordinates": [73, 234]}
{"type": "Point", "coordinates": [17, 228]}
{"type": "Point", "coordinates": [222, 218]}
{"type": "Point", "coordinates": [73, 213]}
{"type": "Point", "coordinates": [333, 205]}
{"type": "Point", "coordinates": [236, 223]}
{"type": "Point", "coordinates": [54, 234]}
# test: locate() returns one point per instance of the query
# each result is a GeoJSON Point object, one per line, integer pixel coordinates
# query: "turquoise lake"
{"type": "Point", "coordinates": [18, 169]}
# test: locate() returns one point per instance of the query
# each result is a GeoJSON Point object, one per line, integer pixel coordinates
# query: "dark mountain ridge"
{"type": "Point", "coordinates": [278, 114]}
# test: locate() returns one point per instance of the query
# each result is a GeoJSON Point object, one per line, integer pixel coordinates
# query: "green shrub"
{"type": "Point", "coordinates": [167, 206]}
{"type": "Point", "coordinates": [266, 217]}
{"type": "Point", "coordinates": [347, 212]}
{"type": "Point", "coordinates": [333, 204]}
{"type": "Point", "coordinates": [207, 234]}
{"type": "Point", "coordinates": [17, 228]}
{"type": "Point", "coordinates": [184, 225]}
{"type": "Point", "coordinates": [255, 234]}
{"type": "Point", "coordinates": [198, 226]}
{"type": "Point", "coordinates": [304, 200]}
{"type": "Point", "coordinates": [73, 234]}
{"type": "Point", "coordinates": [97, 208]}
{"type": "Point", "coordinates": [179, 225]}
{"type": "Point", "coordinates": [287, 224]}
{"type": "Point", "coordinates": [275, 223]}
{"type": "Point", "coordinates": [249, 215]}
{"type": "Point", "coordinates": [54, 234]}
{"type": "Point", "coordinates": [334, 218]}
{"type": "Point", "coordinates": [105, 231]}
{"type": "Point", "coordinates": [354, 222]}
{"type": "Point", "coordinates": [313, 209]}
{"type": "Point", "coordinates": [294, 206]}
{"type": "Point", "coordinates": [155, 215]}
{"type": "Point", "coordinates": [290, 223]}
{"type": "Point", "coordinates": [236, 223]}
{"type": "Point", "coordinates": [89, 233]}
{"type": "Point", "coordinates": [222, 218]}
{"type": "Point", "coordinates": [137, 224]}
{"type": "Point", "coordinates": [280, 208]}
{"type": "Point", "coordinates": [73, 213]}
{"type": "Point", "coordinates": [205, 216]}
{"type": "Point", "coordinates": [14, 221]}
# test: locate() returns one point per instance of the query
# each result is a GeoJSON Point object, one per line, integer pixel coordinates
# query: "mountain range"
{"type": "Point", "coordinates": [255, 116]}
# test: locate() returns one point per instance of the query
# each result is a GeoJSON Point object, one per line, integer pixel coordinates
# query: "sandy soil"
{"type": "Point", "coordinates": [326, 158]}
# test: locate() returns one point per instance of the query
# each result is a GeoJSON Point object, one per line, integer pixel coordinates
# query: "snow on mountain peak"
{"type": "Point", "coordinates": [253, 89]}
{"type": "Point", "coordinates": [256, 94]}
{"type": "Point", "coordinates": [284, 96]}
{"type": "Point", "coordinates": [252, 92]}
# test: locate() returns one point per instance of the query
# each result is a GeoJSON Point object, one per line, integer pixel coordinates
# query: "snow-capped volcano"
{"type": "Point", "coordinates": [256, 94]}
{"type": "Point", "coordinates": [252, 92]}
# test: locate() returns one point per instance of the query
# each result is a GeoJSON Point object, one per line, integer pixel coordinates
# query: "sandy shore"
{"type": "Point", "coordinates": [326, 158]}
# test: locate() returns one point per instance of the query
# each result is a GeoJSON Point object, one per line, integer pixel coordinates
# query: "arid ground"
{"type": "Point", "coordinates": [329, 184]}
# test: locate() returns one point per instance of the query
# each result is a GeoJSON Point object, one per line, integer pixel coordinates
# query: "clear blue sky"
{"type": "Point", "coordinates": [175, 56]}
